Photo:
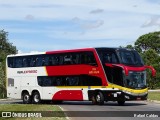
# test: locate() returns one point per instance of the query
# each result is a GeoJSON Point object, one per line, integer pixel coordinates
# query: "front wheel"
{"type": "Point", "coordinates": [36, 98]}
{"type": "Point", "coordinates": [99, 98]}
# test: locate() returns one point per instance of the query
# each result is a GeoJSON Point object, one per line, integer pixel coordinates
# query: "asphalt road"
{"type": "Point", "coordinates": [130, 108]}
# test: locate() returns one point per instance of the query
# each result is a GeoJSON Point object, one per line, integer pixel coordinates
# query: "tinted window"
{"type": "Point", "coordinates": [130, 58]}
{"type": "Point", "coordinates": [88, 58]}
{"type": "Point", "coordinates": [108, 57]}
{"type": "Point", "coordinates": [52, 59]}
{"type": "Point", "coordinates": [82, 80]}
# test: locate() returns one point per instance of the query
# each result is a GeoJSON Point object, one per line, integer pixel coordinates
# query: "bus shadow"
{"type": "Point", "coordinates": [88, 103]}
{"type": "Point", "coordinates": [105, 104]}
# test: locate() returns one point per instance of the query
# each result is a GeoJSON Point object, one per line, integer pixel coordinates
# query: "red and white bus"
{"type": "Point", "coordinates": [94, 74]}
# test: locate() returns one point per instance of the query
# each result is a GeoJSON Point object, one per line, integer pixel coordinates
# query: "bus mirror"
{"type": "Point", "coordinates": [152, 69]}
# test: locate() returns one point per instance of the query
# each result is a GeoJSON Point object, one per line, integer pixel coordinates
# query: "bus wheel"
{"type": "Point", "coordinates": [36, 98]}
{"type": "Point", "coordinates": [121, 103]}
{"type": "Point", "coordinates": [99, 98]}
{"type": "Point", "coordinates": [26, 98]}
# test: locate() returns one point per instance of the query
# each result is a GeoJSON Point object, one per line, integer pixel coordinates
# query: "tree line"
{"type": "Point", "coordinates": [148, 46]}
{"type": "Point", "coordinates": [6, 48]}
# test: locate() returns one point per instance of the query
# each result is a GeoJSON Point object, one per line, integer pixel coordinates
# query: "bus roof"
{"type": "Point", "coordinates": [64, 51]}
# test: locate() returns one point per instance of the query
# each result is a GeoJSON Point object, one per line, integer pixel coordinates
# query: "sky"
{"type": "Point", "coordinates": [45, 25]}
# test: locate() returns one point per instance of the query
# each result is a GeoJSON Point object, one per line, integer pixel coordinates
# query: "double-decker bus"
{"type": "Point", "coordinates": [94, 74]}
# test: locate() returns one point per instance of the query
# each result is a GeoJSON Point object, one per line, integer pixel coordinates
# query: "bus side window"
{"type": "Point", "coordinates": [57, 59]}
{"type": "Point", "coordinates": [46, 60]}
{"type": "Point", "coordinates": [33, 62]}
{"type": "Point", "coordinates": [10, 62]}
{"type": "Point", "coordinates": [52, 60]}
{"type": "Point", "coordinates": [110, 57]}
{"type": "Point", "coordinates": [59, 81]}
{"type": "Point", "coordinates": [67, 58]}
{"type": "Point", "coordinates": [72, 81]}
{"type": "Point", "coordinates": [39, 60]}
{"type": "Point", "coordinates": [76, 58]}
{"type": "Point", "coordinates": [25, 62]}
{"type": "Point", "coordinates": [88, 58]}
{"type": "Point", "coordinates": [18, 62]}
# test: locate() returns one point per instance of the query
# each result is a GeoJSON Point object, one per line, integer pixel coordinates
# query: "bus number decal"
{"type": "Point", "coordinates": [94, 71]}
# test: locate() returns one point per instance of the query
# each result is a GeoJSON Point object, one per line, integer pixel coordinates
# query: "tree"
{"type": "Point", "coordinates": [129, 47]}
{"type": "Point", "coordinates": [148, 41]}
{"type": "Point", "coordinates": [150, 57]}
{"type": "Point", "coordinates": [6, 48]}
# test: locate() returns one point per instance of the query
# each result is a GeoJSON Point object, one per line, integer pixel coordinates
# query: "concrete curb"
{"type": "Point", "coordinates": [3, 99]}
{"type": "Point", "coordinates": [158, 90]}
{"type": "Point", "coordinates": [154, 101]}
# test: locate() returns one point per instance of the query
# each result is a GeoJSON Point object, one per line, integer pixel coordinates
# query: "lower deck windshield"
{"type": "Point", "coordinates": [135, 80]}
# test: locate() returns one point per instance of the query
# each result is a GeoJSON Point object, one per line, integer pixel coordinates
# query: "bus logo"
{"type": "Point", "coordinates": [6, 114]}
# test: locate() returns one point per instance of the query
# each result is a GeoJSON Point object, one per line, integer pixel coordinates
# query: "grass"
{"type": "Point", "coordinates": [31, 107]}
{"type": "Point", "coordinates": [154, 96]}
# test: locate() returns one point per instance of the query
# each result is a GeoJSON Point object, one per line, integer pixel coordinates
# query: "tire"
{"type": "Point", "coordinates": [121, 103]}
{"type": "Point", "coordinates": [36, 98]}
{"type": "Point", "coordinates": [99, 98]}
{"type": "Point", "coordinates": [26, 98]}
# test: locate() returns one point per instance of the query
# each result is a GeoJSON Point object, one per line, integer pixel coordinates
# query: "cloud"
{"type": "Point", "coordinates": [87, 24]}
{"type": "Point", "coordinates": [20, 52]}
{"type": "Point", "coordinates": [154, 21]}
{"type": "Point", "coordinates": [29, 17]}
{"type": "Point", "coordinates": [97, 11]}
{"type": "Point", "coordinates": [92, 24]}
{"type": "Point", "coordinates": [75, 19]}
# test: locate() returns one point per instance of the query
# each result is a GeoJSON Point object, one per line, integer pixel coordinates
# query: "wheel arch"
{"type": "Point", "coordinates": [24, 91]}
{"type": "Point", "coordinates": [92, 93]}
{"type": "Point", "coordinates": [35, 90]}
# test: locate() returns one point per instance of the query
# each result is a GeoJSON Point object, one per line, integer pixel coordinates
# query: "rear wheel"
{"type": "Point", "coordinates": [26, 98]}
{"type": "Point", "coordinates": [99, 98]}
{"type": "Point", "coordinates": [36, 98]}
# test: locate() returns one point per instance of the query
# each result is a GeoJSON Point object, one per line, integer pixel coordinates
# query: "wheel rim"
{"type": "Point", "coordinates": [36, 98]}
{"type": "Point", "coordinates": [98, 98]}
{"type": "Point", "coordinates": [26, 97]}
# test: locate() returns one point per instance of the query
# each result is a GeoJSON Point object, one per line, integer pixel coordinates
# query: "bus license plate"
{"type": "Point", "coordinates": [138, 98]}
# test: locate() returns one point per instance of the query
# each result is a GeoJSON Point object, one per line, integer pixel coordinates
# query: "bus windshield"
{"type": "Point", "coordinates": [130, 58]}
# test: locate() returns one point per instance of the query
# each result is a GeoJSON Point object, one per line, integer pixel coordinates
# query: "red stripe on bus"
{"type": "Point", "coordinates": [68, 95]}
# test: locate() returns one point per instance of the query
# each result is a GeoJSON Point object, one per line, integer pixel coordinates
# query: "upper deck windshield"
{"type": "Point", "coordinates": [130, 58]}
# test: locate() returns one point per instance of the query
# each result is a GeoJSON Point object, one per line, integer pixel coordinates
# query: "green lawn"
{"type": "Point", "coordinates": [154, 96]}
{"type": "Point", "coordinates": [31, 107]}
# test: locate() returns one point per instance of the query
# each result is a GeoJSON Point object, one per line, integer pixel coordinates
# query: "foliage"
{"type": "Point", "coordinates": [148, 41]}
{"type": "Point", "coordinates": [6, 48]}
